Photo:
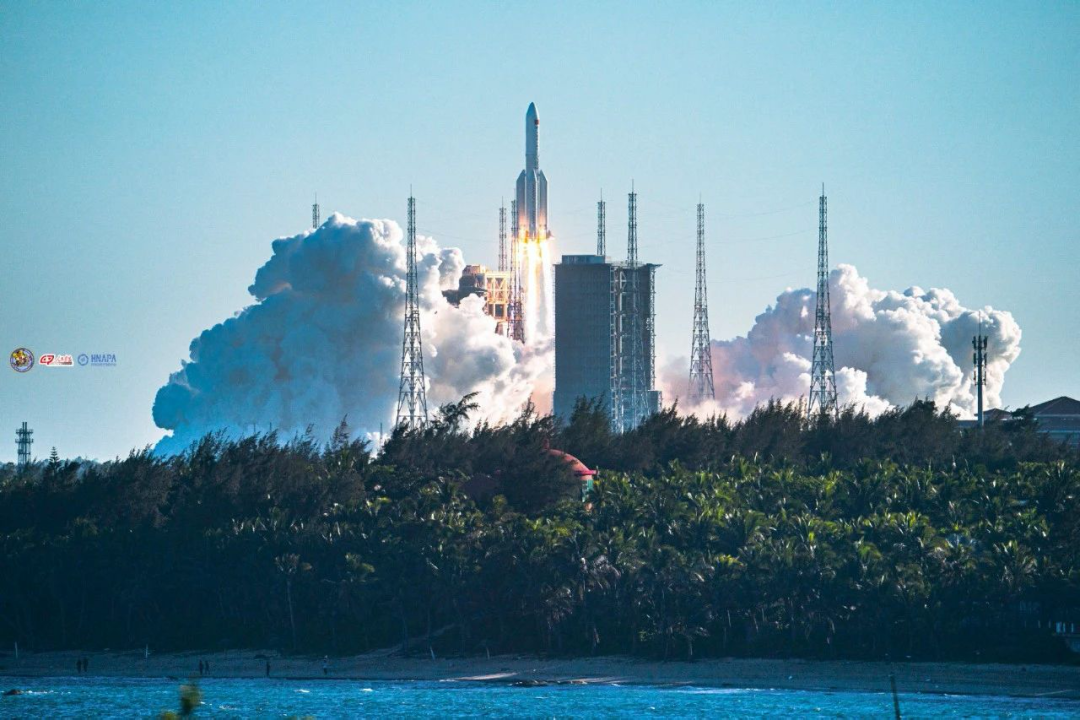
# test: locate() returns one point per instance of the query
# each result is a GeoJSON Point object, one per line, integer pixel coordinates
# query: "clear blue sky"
{"type": "Point", "coordinates": [150, 152]}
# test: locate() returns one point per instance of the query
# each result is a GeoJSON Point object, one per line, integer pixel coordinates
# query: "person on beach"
{"type": "Point", "coordinates": [267, 668]}
{"type": "Point", "coordinates": [200, 668]}
{"type": "Point", "coordinates": [325, 665]}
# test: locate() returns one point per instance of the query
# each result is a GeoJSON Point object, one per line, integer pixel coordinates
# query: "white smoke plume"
{"type": "Point", "coordinates": [322, 341]}
{"type": "Point", "coordinates": [890, 349]}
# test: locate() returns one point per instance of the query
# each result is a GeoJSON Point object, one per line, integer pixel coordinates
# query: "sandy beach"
{"type": "Point", "coordinates": [953, 678]}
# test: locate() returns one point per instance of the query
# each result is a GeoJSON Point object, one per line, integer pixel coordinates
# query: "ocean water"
{"type": "Point", "coordinates": [273, 698]}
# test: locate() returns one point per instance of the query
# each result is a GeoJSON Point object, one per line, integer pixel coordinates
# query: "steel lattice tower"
{"type": "Point", "coordinates": [822, 397]}
{"type": "Point", "coordinates": [701, 373]}
{"type": "Point", "coordinates": [24, 440]}
{"type": "Point", "coordinates": [601, 226]}
{"type": "Point", "coordinates": [515, 318]}
{"type": "Point", "coordinates": [412, 400]}
{"type": "Point", "coordinates": [979, 344]}
{"type": "Point", "coordinates": [636, 374]}
{"type": "Point", "coordinates": [315, 213]}
{"type": "Point", "coordinates": [502, 238]}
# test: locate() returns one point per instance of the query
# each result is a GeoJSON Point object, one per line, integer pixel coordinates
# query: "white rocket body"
{"type": "Point", "coordinates": [532, 185]}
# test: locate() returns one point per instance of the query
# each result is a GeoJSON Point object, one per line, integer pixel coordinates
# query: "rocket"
{"type": "Point", "coordinates": [532, 185]}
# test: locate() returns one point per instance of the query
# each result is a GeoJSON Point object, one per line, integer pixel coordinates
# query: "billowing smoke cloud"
{"type": "Point", "coordinates": [890, 348]}
{"type": "Point", "coordinates": [323, 340]}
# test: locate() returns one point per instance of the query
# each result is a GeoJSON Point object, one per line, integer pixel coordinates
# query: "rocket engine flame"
{"type": "Point", "coordinates": [537, 290]}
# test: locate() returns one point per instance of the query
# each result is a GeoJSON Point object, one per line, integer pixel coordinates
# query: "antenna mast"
{"type": "Point", "coordinates": [822, 373]}
{"type": "Point", "coordinates": [979, 344]}
{"type": "Point", "coordinates": [315, 212]}
{"type": "Point", "coordinates": [412, 400]}
{"type": "Point", "coordinates": [701, 373]}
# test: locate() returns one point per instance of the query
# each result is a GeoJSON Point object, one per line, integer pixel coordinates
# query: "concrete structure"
{"type": "Point", "coordinates": [602, 351]}
{"type": "Point", "coordinates": [491, 285]}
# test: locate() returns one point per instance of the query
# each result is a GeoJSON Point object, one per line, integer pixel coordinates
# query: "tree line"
{"type": "Point", "coordinates": [896, 536]}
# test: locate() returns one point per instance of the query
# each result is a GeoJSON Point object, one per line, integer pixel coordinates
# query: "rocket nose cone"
{"type": "Point", "coordinates": [531, 112]}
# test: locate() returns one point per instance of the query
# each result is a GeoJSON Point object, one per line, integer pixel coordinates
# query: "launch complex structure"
{"type": "Point", "coordinates": [599, 312]}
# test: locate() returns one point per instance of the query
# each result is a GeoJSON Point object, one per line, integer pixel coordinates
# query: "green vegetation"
{"type": "Point", "coordinates": [900, 536]}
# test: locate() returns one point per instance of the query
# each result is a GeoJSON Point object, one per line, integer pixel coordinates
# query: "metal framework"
{"type": "Point", "coordinates": [601, 226]}
{"type": "Point", "coordinates": [822, 398]}
{"type": "Point", "coordinates": [502, 238]}
{"type": "Point", "coordinates": [315, 213]}
{"type": "Point", "coordinates": [24, 440]}
{"type": "Point", "coordinates": [412, 399]}
{"type": "Point", "coordinates": [650, 330]}
{"type": "Point", "coordinates": [631, 371]}
{"type": "Point", "coordinates": [515, 320]}
{"type": "Point", "coordinates": [979, 344]}
{"type": "Point", "coordinates": [618, 278]}
{"type": "Point", "coordinates": [701, 372]}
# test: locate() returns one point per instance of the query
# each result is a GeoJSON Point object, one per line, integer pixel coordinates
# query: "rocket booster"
{"type": "Point", "coordinates": [532, 185]}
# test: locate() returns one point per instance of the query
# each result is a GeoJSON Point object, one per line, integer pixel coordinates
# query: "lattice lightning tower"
{"type": "Point", "coordinates": [412, 400]}
{"type": "Point", "coordinates": [24, 440]}
{"type": "Point", "coordinates": [822, 397]}
{"type": "Point", "coordinates": [637, 372]}
{"type": "Point", "coordinates": [701, 373]}
{"type": "Point", "coordinates": [502, 238]}
{"type": "Point", "coordinates": [601, 226]}
{"type": "Point", "coordinates": [315, 213]}
{"type": "Point", "coordinates": [515, 317]}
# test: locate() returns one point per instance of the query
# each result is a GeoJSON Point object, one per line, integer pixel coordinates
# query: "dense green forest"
{"type": "Point", "coordinates": [903, 535]}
